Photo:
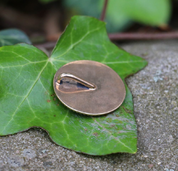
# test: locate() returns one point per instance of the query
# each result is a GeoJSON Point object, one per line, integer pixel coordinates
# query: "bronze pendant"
{"type": "Point", "coordinates": [89, 87]}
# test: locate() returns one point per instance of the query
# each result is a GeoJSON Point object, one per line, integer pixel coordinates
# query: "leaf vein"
{"type": "Point", "coordinates": [112, 135]}
{"type": "Point", "coordinates": [26, 96]}
{"type": "Point", "coordinates": [72, 45]}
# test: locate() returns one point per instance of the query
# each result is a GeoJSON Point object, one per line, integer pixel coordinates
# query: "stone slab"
{"type": "Point", "coordinates": [155, 95]}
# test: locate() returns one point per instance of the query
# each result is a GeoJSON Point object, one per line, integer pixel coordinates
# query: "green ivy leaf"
{"type": "Point", "coordinates": [13, 36]}
{"type": "Point", "coordinates": [27, 97]}
{"type": "Point", "coordinates": [152, 12]}
{"type": "Point", "coordinates": [121, 13]}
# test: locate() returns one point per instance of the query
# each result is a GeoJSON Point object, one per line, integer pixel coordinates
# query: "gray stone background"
{"type": "Point", "coordinates": [155, 95]}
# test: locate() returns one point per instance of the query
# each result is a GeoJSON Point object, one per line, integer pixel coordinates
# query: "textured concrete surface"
{"type": "Point", "coordinates": [155, 92]}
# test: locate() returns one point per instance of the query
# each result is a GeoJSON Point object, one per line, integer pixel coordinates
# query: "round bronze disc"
{"type": "Point", "coordinates": [89, 87]}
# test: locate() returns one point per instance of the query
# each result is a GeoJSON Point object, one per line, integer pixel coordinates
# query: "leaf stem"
{"type": "Point", "coordinates": [123, 36]}
{"type": "Point", "coordinates": [143, 36]}
{"type": "Point", "coordinates": [104, 10]}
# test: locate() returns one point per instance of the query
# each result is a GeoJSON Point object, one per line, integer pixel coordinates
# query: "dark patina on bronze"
{"type": "Point", "coordinates": [89, 87]}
